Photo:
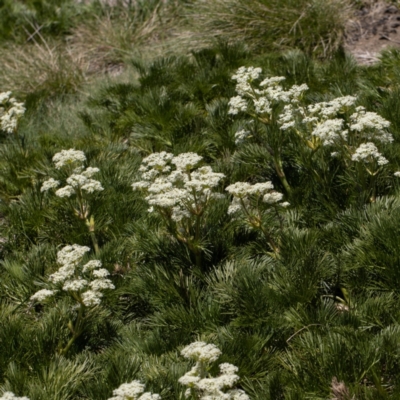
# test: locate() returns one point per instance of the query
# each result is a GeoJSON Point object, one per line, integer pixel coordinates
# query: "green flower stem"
{"type": "Point", "coordinates": [76, 331]}
{"type": "Point", "coordinates": [91, 225]}
{"type": "Point", "coordinates": [281, 174]}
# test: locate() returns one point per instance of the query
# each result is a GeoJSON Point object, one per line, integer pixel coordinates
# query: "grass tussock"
{"type": "Point", "coordinates": [43, 67]}
{"type": "Point", "coordinates": [315, 26]}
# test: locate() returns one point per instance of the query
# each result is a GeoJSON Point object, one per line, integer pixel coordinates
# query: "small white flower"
{"type": "Point", "coordinates": [149, 396]}
{"type": "Point", "coordinates": [237, 104]}
{"type": "Point", "coordinates": [200, 351]}
{"type": "Point", "coordinates": [186, 161]}
{"type": "Point", "coordinates": [10, 112]}
{"type": "Point", "coordinates": [67, 157]}
{"type": "Point", "coordinates": [49, 184]}
{"type": "Point", "coordinates": [272, 198]}
{"type": "Point", "coordinates": [330, 131]}
{"type": "Point", "coordinates": [91, 298]}
{"type": "Point", "coordinates": [397, 174]}
{"type": "Point", "coordinates": [62, 274]}
{"type": "Point", "coordinates": [367, 153]}
{"type": "Point", "coordinates": [262, 105]}
{"type": "Point", "coordinates": [71, 254]}
{"type": "Point", "coordinates": [372, 125]}
{"type": "Point", "coordinates": [130, 390]}
{"type": "Point", "coordinates": [91, 265]}
{"type": "Point", "coordinates": [228, 369]}
{"type": "Point", "coordinates": [4, 97]}
{"type": "Point", "coordinates": [12, 396]}
{"type": "Point", "coordinates": [90, 171]}
{"type": "Point", "coordinates": [66, 191]}
{"type": "Point", "coordinates": [42, 295]}
{"type": "Point", "coordinates": [100, 284]}
{"type": "Point", "coordinates": [239, 189]}
{"type": "Point", "coordinates": [77, 180]}
{"type": "Point", "coordinates": [241, 135]}
{"type": "Point", "coordinates": [92, 186]}
{"type": "Point", "coordinates": [140, 185]}
{"type": "Point", "coordinates": [76, 285]}
{"type": "Point", "coordinates": [188, 380]}
{"type": "Point", "coordinates": [100, 273]}
{"type": "Point", "coordinates": [272, 81]}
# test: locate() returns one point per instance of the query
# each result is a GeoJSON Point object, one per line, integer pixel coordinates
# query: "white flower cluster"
{"type": "Point", "coordinates": [133, 391]}
{"type": "Point", "coordinates": [244, 77]}
{"type": "Point", "coordinates": [86, 282]}
{"type": "Point", "coordinates": [236, 105]}
{"type": "Point", "coordinates": [319, 119]}
{"type": "Point", "coordinates": [243, 192]}
{"type": "Point", "coordinates": [269, 92]}
{"type": "Point", "coordinates": [68, 157]}
{"type": "Point", "coordinates": [42, 295]}
{"type": "Point", "coordinates": [206, 387]}
{"type": "Point", "coordinates": [80, 180]}
{"type": "Point", "coordinates": [12, 396]}
{"type": "Point", "coordinates": [183, 191]}
{"type": "Point", "coordinates": [330, 131]}
{"type": "Point", "coordinates": [10, 112]}
{"type": "Point", "coordinates": [368, 153]}
{"type": "Point", "coordinates": [329, 109]}
{"type": "Point", "coordinates": [49, 184]}
{"type": "Point", "coordinates": [371, 125]}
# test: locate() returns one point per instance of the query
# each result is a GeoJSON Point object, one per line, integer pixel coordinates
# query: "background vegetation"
{"type": "Point", "coordinates": [126, 79]}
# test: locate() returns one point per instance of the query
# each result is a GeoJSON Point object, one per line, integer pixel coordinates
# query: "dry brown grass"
{"type": "Point", "coordinates": [48, 67]}
{"type": "Point", "coordinates": [102, 45]}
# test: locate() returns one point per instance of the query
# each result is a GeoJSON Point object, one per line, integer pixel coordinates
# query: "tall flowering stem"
{"type": "Point", "coordinates": [258, 101]}
{"type": "Point", "coordinates": [80, 186]}
{"type": "Point", "coordinates": [250, 202]}
{"type": "Point", "coordinates": [84, 284]}
{"type": "Point", "coordinates": [180, 191]}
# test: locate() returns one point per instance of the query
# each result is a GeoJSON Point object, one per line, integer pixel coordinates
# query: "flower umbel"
{"type": "Point", "coordinates": [199, 382]}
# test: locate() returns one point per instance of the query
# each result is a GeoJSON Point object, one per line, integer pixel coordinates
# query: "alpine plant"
{"type": "Point", "coordinates": [350, 132]}
{"type": "Point", "coordinates": [80, 186]}
{"type": "Point", "coordinates": [180, 190]}
{"type": "Point", "coordinates": [83, 283]}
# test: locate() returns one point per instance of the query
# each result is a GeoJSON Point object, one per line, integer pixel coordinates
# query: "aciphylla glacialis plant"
{"type": "Point", "coordinates": [352, 133]}
{"type": "Point", "coordinates": [180, 191]}
{"type": "Point", "coordinates": [258, 205]}
{"type": "Point", "coordinates": [80, 186]}
{"type": "Point", "coordinates": [199, 382]}
{"type": "Point", "coordinates": [84, 284]}
{"type": "Point", "coordinates": [11, 111]}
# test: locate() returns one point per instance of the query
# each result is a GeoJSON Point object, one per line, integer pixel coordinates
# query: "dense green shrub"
{"type": "Point", "coordinates": [297, 298]}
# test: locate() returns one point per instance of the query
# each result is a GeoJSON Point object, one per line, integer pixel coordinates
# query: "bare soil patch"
{"type": "Point", "coordinates": [371, 30]}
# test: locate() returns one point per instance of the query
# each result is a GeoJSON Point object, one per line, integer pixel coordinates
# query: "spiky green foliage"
{"type": "Point", "coordinates": [320, 308]}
